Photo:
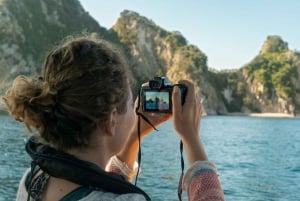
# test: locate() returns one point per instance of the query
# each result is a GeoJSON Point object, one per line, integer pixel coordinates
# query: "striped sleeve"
{"type": "Point", "coordinates": [119, 167]}
{"type": "Point", "coordinates": [202, 183]}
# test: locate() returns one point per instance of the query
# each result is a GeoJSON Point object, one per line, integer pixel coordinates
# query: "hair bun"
{"type": "Point", "coordinates": [28, 99]}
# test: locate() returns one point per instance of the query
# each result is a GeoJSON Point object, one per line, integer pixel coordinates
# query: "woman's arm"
{"type": "Point", "coordinates": [129, 152]}
{"type": "Point", "coordinates": [187, 122]}
{"type": "Point", "coordinates": [201, 180]}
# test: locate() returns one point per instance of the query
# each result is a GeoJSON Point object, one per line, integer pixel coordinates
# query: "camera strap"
{"type": "Point", "coordinates": [140, 115]}
{"type": "Point", "coordinates": [179, 190]}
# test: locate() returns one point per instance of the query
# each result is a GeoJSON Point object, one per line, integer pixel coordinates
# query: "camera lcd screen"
{"type": "Point", "coordinates": [157, 101]}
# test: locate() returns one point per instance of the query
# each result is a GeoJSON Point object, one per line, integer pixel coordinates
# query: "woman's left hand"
{"type": "Point", "coordinates": [155, 118]}
{"type": "Point", "coordinates": [130, 149]}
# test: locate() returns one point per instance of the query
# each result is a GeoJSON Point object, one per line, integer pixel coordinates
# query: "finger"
{"type": "Point", "coordinates": [176, 100]}
{"type": "Point", "coordinates": [190, 91]}
{"type": "Point", "coordinates": [137, 107]}
{"type": "Point", "coordinates": [136, 102]}
{"type": "Point", "coordinates": [198, 113]}
{"type": "Point", "coordinates": [145, 84]}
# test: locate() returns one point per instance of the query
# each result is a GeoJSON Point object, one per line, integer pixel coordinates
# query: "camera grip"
{"type": "Point", "coordinates": [183, 90]}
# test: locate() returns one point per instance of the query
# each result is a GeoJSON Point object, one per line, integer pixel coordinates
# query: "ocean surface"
{"type": "Point", "coordinates": [257, 158]}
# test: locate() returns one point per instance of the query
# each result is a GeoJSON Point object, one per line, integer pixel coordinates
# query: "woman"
{"type": "Point", "coordinates": [83, 113]}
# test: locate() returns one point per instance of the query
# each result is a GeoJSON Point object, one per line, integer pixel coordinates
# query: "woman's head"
{"type": "Point", "coordinates": [83, 81]}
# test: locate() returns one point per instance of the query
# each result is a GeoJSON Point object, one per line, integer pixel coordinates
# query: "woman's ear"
{"type": "Point", "coordinates": [110, 125]}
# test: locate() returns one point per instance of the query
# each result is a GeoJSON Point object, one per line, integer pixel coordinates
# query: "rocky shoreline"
{"type": "Point", "coordinates": [265, 115]}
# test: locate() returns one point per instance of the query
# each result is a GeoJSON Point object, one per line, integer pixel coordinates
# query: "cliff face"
{"type": "Point", "coordinates": [29, 28]}
{"type": "Point", "coordinates": [157, 52]}
{"type": "Point", "coordinates": [268, 83]}
{"type": "Point", "coordinates": [273, 78]}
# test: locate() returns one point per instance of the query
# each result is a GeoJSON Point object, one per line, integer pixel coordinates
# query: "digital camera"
{"type": "Point", "coordinates": [157, 96]}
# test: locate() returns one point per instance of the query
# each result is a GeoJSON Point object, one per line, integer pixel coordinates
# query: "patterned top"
{"type": "Point", "coordinates": [200, 181]}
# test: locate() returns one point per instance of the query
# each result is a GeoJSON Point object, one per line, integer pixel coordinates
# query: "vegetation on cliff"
{"type": "Point", "coordinates": [268, 83]}
{"type": "Point", "coordinates": [277, 69]}
{"type": "Point", "coordinates": [29, 29]}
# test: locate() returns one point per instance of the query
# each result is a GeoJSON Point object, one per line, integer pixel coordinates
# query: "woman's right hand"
{"type": "Point", "coordinates": [187, 121]}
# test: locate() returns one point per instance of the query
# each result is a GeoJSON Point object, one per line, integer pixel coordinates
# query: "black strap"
{"type": "Point", "coordinates": [182, 172]}
{"type": "Point", "coordinates": [62, 165]}
{"type": "Point", "coordinates": [140, 151]}
{"type": "Point", "coordinates": [34, 169]}
{"type": "Point", "coordinates": [35, 185]}
{"type": "Point", "coordinates": [139, 133]}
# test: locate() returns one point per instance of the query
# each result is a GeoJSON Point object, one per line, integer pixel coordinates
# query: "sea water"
{"type": "Point", "coordinates": [257, 158]}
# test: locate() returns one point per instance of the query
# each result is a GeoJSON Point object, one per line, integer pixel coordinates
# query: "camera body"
{"type": "Point", "coordinates": [157, 96]}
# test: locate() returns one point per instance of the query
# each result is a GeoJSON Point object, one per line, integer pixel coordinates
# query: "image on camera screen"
{"type": "Point", "coordinates": [157, 101]}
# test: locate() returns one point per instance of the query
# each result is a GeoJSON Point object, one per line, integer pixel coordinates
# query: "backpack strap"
{"type": "Point", "coordinates": [35, 184]}
{"type": "Point", "coordinates": [31, 175]}
{"type": "Point", "coordinates": [62, 165]}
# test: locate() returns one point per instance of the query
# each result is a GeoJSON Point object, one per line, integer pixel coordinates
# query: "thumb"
{"type": "Point", "coordinates": [176, 100]}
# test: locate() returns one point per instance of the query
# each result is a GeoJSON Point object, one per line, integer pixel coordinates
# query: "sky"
{"type": "Point", "coordinates": [230, 32]}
